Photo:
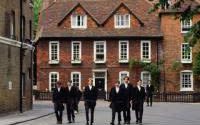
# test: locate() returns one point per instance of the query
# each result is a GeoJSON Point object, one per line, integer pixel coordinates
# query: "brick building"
{"type": "Point", "coordinates": [10, 55]}
{"type": "Point", "coordinates": [79, 39]}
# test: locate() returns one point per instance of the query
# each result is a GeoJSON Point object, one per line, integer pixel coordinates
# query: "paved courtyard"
{"type": "Point", "coordinates": [159, 114]}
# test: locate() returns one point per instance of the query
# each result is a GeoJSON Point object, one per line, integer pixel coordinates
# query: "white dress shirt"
{"type": "Point", "coordinates": [117, 89]}
{"type": "Point", "coordinates": [139, 88]}
{"type": "Point", "coordinates": [69, 88]}
{"type": "Point", "coordinates": [59, 89]}
{"type": "Point", "coordinates": [90, 87]}
{"type": "Point", "coordinates": [126, 85]}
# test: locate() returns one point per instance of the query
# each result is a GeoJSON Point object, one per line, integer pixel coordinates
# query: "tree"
{"type": "Point", "coordinates": [196, 65]}
{"type": "Point", "coordinates": [193, 36]}
{"type": "Point", "coordinates": [36, 8]}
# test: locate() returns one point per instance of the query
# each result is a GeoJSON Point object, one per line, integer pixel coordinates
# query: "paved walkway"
{"type": "Point", "coordinates": [40, 109]}
{"type": "Point", "coordinates": [159, 114]}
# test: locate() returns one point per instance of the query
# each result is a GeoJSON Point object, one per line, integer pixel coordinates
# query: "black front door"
{"type": "Point", "coordinates": [100, 84]}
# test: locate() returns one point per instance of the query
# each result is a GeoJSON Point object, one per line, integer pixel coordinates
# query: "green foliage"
{"type": "Point", "coordinates": [36, 7]}
{"type": "Point", "coordinates": [176, 65]}
{"type": "Point", "coordinates": [196, 65]}
{"type": "Point", "coordinates": [153, 68]}
{"type": "Point", "coordinates": [193, 36]}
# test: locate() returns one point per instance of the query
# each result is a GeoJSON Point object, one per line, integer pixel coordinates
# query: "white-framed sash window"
{"type": "Point", "coordinates": [145, 51]}
{"type": "Point", "coordinates": [53, 78]}
{"type": "Point", "coordinates": [79, 21]}
{"type": "Point", "coordinates": [123, 51]}
{"type": "Point", "coordinates": [76, 79]}
{"type": "Point", "coordinates": [186, 25]}
{"type": "Point", "coordinates": [54, 49]}
{"type": "Point", "coordinates": [145, 77]}
{"type": "Point", "coordinates": [186, 53]}
{"type": "Point", "coordinates": [76, 52]}
{"type": "Point", "coordinates": [99, 51]}
{"type": "Point", "coordinates": [122, 21]}
{"type": "Point", "coordinates": [186, 80]}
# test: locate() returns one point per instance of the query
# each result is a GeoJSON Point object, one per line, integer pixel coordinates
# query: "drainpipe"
{"type": "Point", "coordinates": [21, 59]}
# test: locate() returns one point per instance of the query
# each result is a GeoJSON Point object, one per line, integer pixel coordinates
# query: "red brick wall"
{"type": "Point", "coordinates": [173, 39]}
{"type": "Point", "coordinates": [65, 67]}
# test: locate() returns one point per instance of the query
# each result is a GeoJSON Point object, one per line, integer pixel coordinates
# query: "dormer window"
{"type": "Point", "coordinates": [79, 21]}
{"type": "Point", "coordinates": [186, 25]}
{"type": "Point", "coordinates": [122, 21]}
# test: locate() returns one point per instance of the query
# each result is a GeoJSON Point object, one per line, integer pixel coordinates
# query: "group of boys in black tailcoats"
{"type": "Point", "coordinates": [71, 96]}
{"type": "Point", "coordinates": [121, 97]}
{"type": "Point", "coordinates": [65, 95]}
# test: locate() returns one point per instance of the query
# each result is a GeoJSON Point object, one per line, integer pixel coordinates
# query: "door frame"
{"type": "Point", "coordinates": [104, 71]}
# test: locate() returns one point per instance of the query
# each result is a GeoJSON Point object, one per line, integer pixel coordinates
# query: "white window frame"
{"type": "Point", "coordinates": [120, 60]}
{"type": "Point", "coordinates": [190, 53]}
{"type": "Point", "coordinates": [121, 26]}
{"type": "Point", "coordinates": [50, 73]}
{"type": "Point", "coordinates": [72, 52]}
{"type": "Point", "coordinates": [142, 76]}
{"type": "Point", "coordinates": [182, 26]}
{"type": "Point", "coordinates": [58, 53]}
{"type": "Point", "coordinates": [186, 89]}
{"type": "Point", "coordinates": [79, 73]}
{"type": "Point", "coordinates": [141, 51]}
{"type": "Point", "coordinates": [103, 61]}
{"type": "Point", "coordinates": [123, 72]}
{"type": "Point", "coordinates": [76, 26]}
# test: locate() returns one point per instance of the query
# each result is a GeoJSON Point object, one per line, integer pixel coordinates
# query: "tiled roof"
{"type": "Point", "coordinates": [100, 11]}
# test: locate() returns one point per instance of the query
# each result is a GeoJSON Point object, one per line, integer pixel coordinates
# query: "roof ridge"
{"type": "Point", "coordinates": [117, 7]}
{"type": "Point", "coordinates": [76, 5]}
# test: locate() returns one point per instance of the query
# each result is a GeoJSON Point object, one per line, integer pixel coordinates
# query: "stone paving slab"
{"type": "Point", "coordinates": [159, 114]}
{"type": "Point", "coordinates": [40, 109]}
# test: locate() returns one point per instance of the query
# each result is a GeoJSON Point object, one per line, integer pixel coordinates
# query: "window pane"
{"type": "Point", "coordinates": [76, 79]}
{"type": "Point", "coordinates": [123, 50]}
{"type": "Point", "coordinates": [186, 80]}
{"type": "Point", "coordinates": [54, 51]}
{"type": "Point", "coordinates": [186, 52]}
{"type": "Point", "coordinates": [145, 50]}
{"type": "Point", "coordinates": [122, 20]}
{"type": "Point", "coordinates": [186, 25]}
{"type": "Point", "coordinates": [100, 51]}
{"type": "Point", "coordinates": [76, 51]}
{"type": "Point", "coordinates": [54, 79]}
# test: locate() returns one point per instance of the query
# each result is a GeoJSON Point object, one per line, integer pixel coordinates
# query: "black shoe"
{"type": "Point", "coordinates": [111, 123]}
{"type": "Point", "coordinates": [128, 122]}
{"type": "Point", "coordinates": [70, 122]}
{"type": "Point", "coordinates": [140, 121]}
{"type": "Point", "coordinates": [137, 122]}
{"type": "Point", "coordinates": [91, 123]}
{"type": "Point", "coordinates": [87, 123]}
{"type": "Point", "coordinates": [119, 123]}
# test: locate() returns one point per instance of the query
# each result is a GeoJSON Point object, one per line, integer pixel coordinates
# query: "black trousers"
{"type": "Point", "coordinates": [139, 112]}
{"type": "Point", "coordinates": [127, 115]}
{"type": "Point", "coordinates": [127, 112]}
{"type": "Point", "coordinates": [149, 99]}
{"type": "Point", "coordinates": [70, 112]}
{"type": "Point", "coordinates": [113, 115]}
{"type": "Point", "coordinates": [89, 106]}
{"type": "Point", "coordinates": [58, 111]}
